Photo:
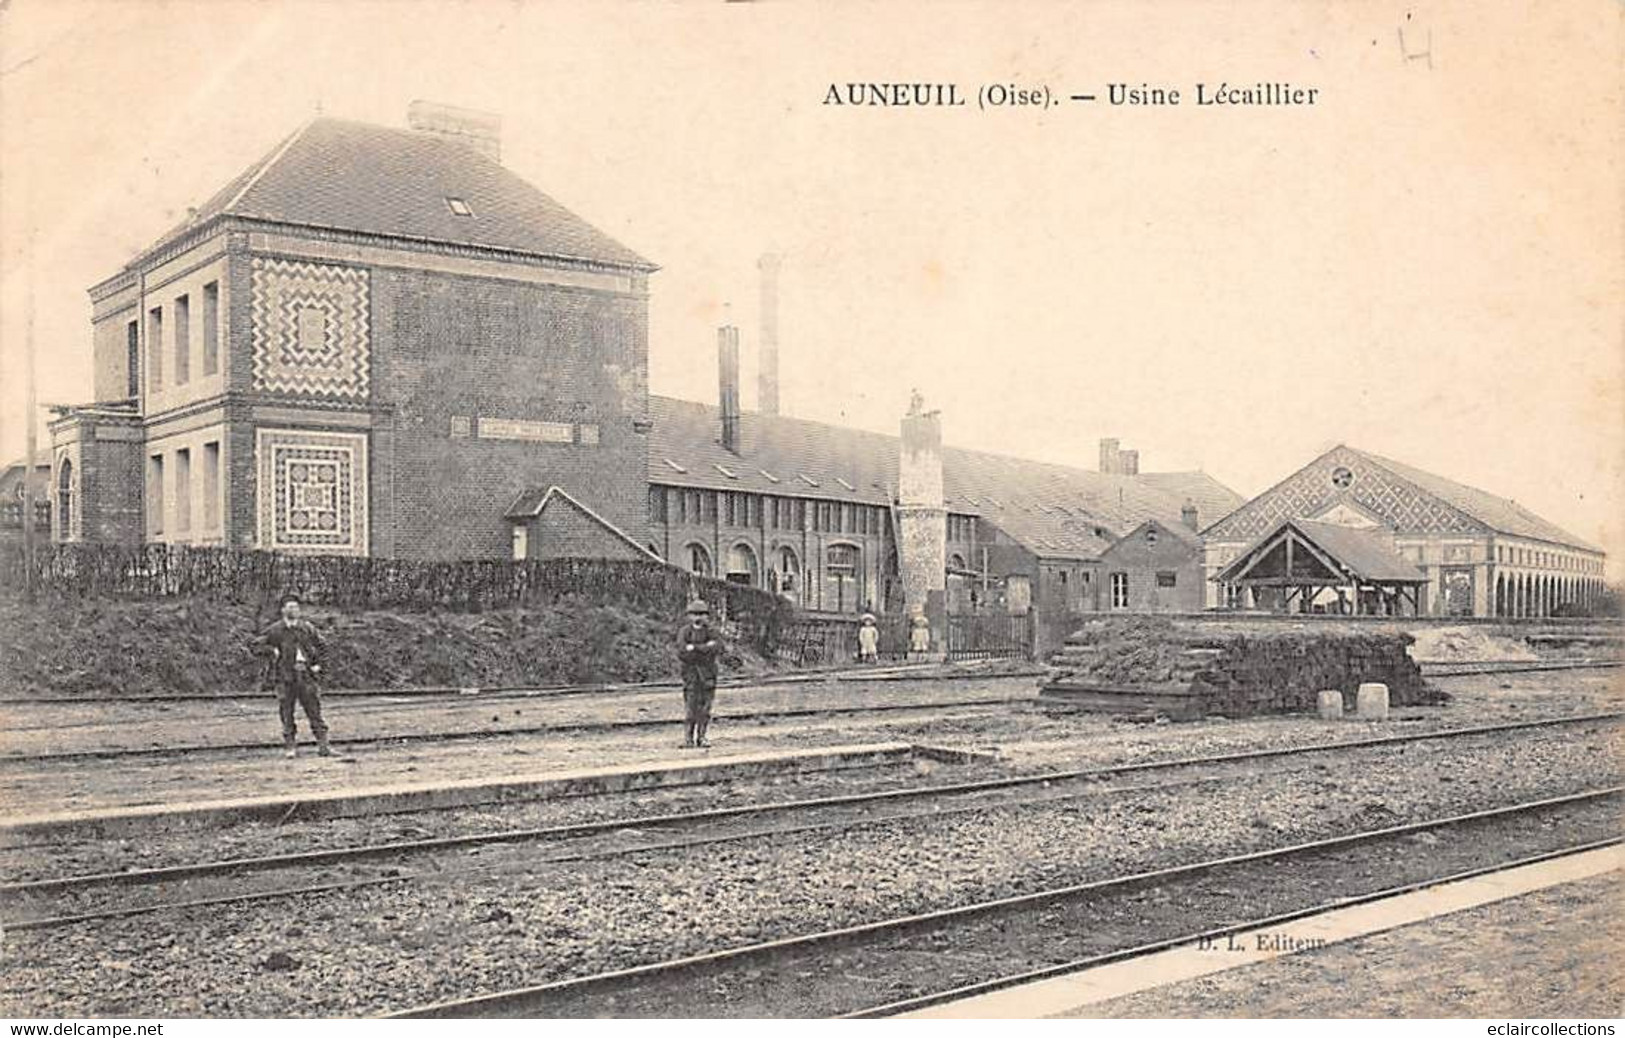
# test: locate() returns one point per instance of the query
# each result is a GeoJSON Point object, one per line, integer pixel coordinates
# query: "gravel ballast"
{"type": "Point", "coordinates": [386, 948]}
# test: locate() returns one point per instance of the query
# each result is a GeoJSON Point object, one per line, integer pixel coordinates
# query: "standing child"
{"type": "Point", "coordinates": [868, 640]}
{"type": "Point", "coordinates": [698, 648]}
{"type": "Point", "coordinates": [296, 659]}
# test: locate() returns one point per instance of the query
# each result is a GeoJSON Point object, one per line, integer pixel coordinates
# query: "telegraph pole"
{"type": "Point", "coordinates": [32, 406]}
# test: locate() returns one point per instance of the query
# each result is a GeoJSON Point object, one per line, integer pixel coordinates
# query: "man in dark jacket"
{"type": "Point", "coordinates": [698, 648]}
{"type": "Point", "coordinates": [296, 660]}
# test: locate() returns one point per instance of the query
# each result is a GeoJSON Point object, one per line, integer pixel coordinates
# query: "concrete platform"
{"type": "Point", "coordinates": [695, 769]}
{"type": "Point", "coordinates": [1168, 976]}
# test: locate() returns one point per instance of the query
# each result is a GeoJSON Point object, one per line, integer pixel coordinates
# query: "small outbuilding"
{"type": "Point", "coordinates": [1302, 566]}
{"type": "Point", "coordinates": [1154, 568]}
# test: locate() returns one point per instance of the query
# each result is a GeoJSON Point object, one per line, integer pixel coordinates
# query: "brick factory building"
{"type": "Point", "coordinates": [810, 510]}
{"type": "Point", "coordinates": [381, 342]}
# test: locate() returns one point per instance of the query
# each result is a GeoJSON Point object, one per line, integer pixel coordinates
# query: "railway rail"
{"type": "Point", "coordinates": [627, 835]}
{"type": "Point", "coordinates": [964, 671]}
{"type": "Point", "coordinates": [776, 977]}
{"type": "Point", "coordinates": [982, 704]}
{"type": "Point", "coordinates": [1461, 670]}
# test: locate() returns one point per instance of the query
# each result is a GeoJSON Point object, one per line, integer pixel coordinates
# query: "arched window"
{"type": "Point", "coordinates": [64, 501]}
{"type": "Point", "coordinates": [742, 568]}
{"type": "Point", "coordinates": [787, 573]}
{"type": "Point", "coordinates": [699, 560]}
{"type": "Point", "coordinates": [842, 593]}
{"type": "Point", "coordinates": [956, 563]}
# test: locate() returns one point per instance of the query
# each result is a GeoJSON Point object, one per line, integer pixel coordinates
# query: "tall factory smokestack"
{"type": "Point", "coordinates": [767, 385]}
{"type": "Point", "coordinates": [728, 384]}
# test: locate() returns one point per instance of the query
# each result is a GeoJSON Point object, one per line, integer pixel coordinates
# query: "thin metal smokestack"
{"type": "Point", "coordinates": [728, 384]}
{"type": "Point", "coordinates": [767, 386]}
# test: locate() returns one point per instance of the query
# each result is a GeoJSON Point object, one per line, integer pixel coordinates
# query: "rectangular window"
{"type": "Point", "coordinates": [183, 339]}
{"type": "Point", "coordinates": [211, 328]}
{"type": "Point", "coordinates": [211, 485]}
{"type": "Point", "coordinates": [132, 348]}
{"type": "Point", "coordinates": [155, 350]}
{"type": "Point", "coordinates": [155, 495]}
{"type": "Point", "coordinates": [1167, 578]}
{"type": "Point", "coordinates": [1119, 590]}
{"type": "Point", "coordinates": [183, 490]}
{"type": "Point", "coordinates": [708, 502]}
{"type": "Point", "coordinates": [728, 508]}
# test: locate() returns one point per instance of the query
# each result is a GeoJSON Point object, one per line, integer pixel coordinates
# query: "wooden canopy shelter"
{"type": "Point", "coordinates": [1298, 559]}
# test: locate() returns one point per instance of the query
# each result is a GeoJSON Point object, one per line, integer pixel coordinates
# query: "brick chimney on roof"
{"type": "Point", "coordinates": [1108, 455]}
{"type": "Point", "coordinates": [481, 131]}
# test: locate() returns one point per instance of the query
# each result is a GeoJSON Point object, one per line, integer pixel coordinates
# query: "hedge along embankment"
{"type": "Point", "coordinates": [91, 647]}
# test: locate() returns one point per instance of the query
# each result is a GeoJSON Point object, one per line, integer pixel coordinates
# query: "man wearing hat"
{"type": "Point", "coordinates": [698, 648]}
{"type": "Point", "coordinates": [296, 660]}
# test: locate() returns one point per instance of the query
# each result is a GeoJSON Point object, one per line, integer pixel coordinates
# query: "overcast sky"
{"type": "Point", "coordinates": [1427, 263]}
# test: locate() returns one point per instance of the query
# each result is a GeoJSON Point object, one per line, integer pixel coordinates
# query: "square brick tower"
{"type": "Point", "coordinates": [371, 342]}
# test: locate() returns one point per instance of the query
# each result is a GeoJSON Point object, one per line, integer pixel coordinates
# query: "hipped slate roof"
{"type": "Point", "coordinates": [342, 175]}
{"type": "Point", "coordinates": [1053, 510]}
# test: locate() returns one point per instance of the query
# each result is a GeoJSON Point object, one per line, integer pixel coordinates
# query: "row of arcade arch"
{"type": "Point", "coordinates": [1544, 594]}
{"type": "Point", "coordinates": [841, 589]}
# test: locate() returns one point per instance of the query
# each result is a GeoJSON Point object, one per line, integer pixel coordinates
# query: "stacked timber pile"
{"type": "Point", "coordinates": [1189, 669]}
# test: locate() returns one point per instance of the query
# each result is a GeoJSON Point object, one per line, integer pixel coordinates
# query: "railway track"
{"type": "Point", "coordinates": [910, 962]}
{"type": "Point", "coordinates": [973, 707]}
{"type": "Point", "coordinates": [1462, 670]}
{"type": "Point", "coordinates": [449, 693]}
{"type": "Point", "coordinates": [620, 836]}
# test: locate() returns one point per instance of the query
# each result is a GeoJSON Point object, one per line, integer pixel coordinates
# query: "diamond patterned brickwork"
{"type": "Point", "coordinates": [311, 329]}
{"type": "Point", "coordinates": [1344, 477]}
{"type": "Point", "coordinates": [312, 492]}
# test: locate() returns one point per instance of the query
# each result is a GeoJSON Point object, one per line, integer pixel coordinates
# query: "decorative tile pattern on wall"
{"type": "Point", "coordinates": [1346, 478]}
{"type": "Point", "coordinates": [312, 492]}
{"type": "Point", "coordinates": [310, 329]}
